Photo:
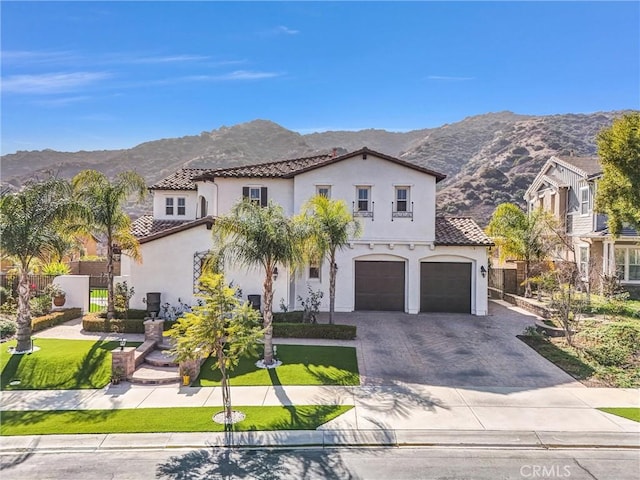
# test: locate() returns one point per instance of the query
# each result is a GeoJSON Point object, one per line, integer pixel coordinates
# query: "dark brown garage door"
{"type": "Point", "coordinates": [380, 286]}
{"type": "Point", "coordinates": [445, 287]}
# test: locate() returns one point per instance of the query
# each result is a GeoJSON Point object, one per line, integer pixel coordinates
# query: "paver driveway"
{"type": "Point", "coordinates": [451, 349]}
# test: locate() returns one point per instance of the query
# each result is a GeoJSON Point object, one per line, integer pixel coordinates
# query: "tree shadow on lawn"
{"type": "Point", "coordinates": [15, 418]}
{"type": "Point", "coordinates": [35, 373]}
{"type": "Point", "coordinates": [228, 463]}
{"type": "Point", "coordinates": [334, 365]}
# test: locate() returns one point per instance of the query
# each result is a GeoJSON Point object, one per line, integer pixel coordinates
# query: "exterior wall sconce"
{"type": "Point", "coordinates": [123, 343]}
{"type": "Point", "coordinates": [116, 253]}
{"type": "Point", "coordinates": [275, 273]}
{"type": "Point", "coordinates": [483, 271]}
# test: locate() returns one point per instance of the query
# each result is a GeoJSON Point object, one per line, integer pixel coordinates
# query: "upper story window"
{"type": "Point", "coordinates": [401, 206]}
{"type": "Point", "coordinates": [257, 195]}
{"type": "Point", "coordinates": [323, 190]}
{"type": "Point", "coordinates": [627, 263]}
{"type": "Point", "coordinates": [583, 265]}
{"type": "Point", "coordinates": [203, 207]}
{"type": "Point", "coordinates": [168, 206]}
{"type": "Point", "coordinates": [364, 199]}
{"type": "Point", "coordinates": [584, 200]}
{"type": "Point", "coordinates": [182, 206]}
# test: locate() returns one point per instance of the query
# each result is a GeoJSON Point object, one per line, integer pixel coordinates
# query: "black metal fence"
{"type": "Point", "coordinates": [37, 283]}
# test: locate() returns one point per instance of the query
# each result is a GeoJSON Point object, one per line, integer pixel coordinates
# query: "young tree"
{"type": "Point", "coordinates": [264, 237]}
{"type": "Point", "coordinates": [332, 225]}
{"type": "Point", "coordinates": [522, 236]}
{"type": "Point", "coordinates": [106, 199]}
{"type": "Point", "coordinates": [29, 223]}
{"type": "Point", "coordinates": [618, 193]}
{"type": "Point", "coordinates": [222, 326]}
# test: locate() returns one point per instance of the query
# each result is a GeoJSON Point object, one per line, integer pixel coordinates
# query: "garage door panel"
{"type": "Point", "coordinates": [445, 287]}
{"type": "Point", "coordinates": [379, 285]}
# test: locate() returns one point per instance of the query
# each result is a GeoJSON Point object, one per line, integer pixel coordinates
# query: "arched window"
{"type": "Point", "coordinates": [203, 207]}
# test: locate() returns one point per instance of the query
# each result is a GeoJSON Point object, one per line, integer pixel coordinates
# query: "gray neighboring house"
{"type": "Point", "coordinates": [567, 186]}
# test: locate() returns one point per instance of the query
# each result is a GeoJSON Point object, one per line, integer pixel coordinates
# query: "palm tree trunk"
{"type": "Point", "coordinates": [332, 285]}
{"type": "Point", "coordinates": [23, 334]}
{"type": "Point", "coordinates": [267, 316]}
{"type": "Point", "coordinates": [110, 304]}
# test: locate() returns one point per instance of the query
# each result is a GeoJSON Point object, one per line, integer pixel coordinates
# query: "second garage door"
{"type": "Point", "coordinates": [379, 286]}
{"type": "Point", "coordinates": [445, 287]}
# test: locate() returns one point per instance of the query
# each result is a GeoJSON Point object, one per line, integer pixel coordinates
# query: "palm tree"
{"type": "Point", "coordinates": [332, 226]}
{"type": "Point", "coordinates": [106, 199]}
{"type": "Point", "coordinates": [29, 224]}
{"type": "Point", "coordinates": [521, 236]}
{"type": "Point", "coordinates": [252, 236]}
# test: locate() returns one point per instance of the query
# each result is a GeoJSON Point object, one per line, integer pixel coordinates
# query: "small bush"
{"type": "Point", "coordinates": [40, 305]}
{"type": "Point", "coordinates": [7, 328]}
{"type": "Point", "coordinates": [314, 330]}
{"type": "Point", "coordinates": [132, 314]}
{"type": "Point", "coordinates": [288, 317]}
{"type": "Point", "coordinates": [56, 318]}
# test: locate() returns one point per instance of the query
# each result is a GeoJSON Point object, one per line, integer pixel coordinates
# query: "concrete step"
{"type": "Point", "coordinates": [167, 344]}
{"type": "Point", "coordinates": [160, 358]}
{"type": "Point", "coordinates": [150, 375]}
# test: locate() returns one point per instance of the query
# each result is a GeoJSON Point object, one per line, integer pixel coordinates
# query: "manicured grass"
{"type": "Point", "coordinates": [151, 420]}
{"type": "Point", "coordinates": [59, 364]}
{"type": "Point", "coordinates": [630, 413]}
{"type": "Point", "coordinates": [302, 365]}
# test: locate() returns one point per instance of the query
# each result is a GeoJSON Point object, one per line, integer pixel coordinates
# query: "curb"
{"type": "Point", "coordinates": [323, 439]}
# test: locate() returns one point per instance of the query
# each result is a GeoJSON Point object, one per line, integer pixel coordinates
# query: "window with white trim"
{"type": "Point", "coordinates": [364, 199]}
{"type": "Point", "coordinates": [255, 194]}
{"type": "Point", "coordinates": [402, 199]}
{"type": "Point", "coordinates": [323, 190]}
{"type": "Point", "coordinates": [314, 271]}
{"type": "Point", "coordinates": [168, 206]}
{"type": "Point", "coordinates": [627, 263]}
{"type": "Point", "coordinates": [182, 206]}
{"type": "Point", "coordinates": [583, 261]}
{"type": "Point", "coordinates": [584, 200]}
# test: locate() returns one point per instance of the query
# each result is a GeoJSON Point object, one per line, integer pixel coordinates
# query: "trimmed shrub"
{"type": "Point", "coordinates": [7, 328]}
{"type": "Point", "coordinates": [288, 317]}
{"type": "Point", "coordinates": [94, 322]}
{"type": "Point", "coordinates": [133, 314]}
{"type": "Point", "coordinates": [314, 330]}
{"type": "Point", "coordinates": [613, 344]}
{"type": "Point", "coordinates": [55, 318]}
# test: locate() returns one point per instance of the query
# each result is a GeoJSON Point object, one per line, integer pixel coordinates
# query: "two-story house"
{"type": "Point", "coordinates": [566, 186]}
{"type": "Point", "coordinates": [405, 260]}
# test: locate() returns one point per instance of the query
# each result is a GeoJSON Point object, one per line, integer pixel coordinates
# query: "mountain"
{"type": "Point", "coordinates": [488, 159]}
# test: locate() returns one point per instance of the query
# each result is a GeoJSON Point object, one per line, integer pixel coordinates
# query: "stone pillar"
{"type": "Point", "coordinates": [153, 330]}
{"type": "Point", "coordinates": [123, 362]}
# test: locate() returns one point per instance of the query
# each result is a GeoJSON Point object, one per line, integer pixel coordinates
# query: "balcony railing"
{"type": "Point", "coordinates": [363, 213]}
{"type": "Point", "coordinates": [401, 213]}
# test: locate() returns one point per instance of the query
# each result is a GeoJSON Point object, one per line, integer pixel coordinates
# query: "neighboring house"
{"type": "Point", "coordinates": [566, 186]}
{"type": "Point", "coordinates": [405, 260]}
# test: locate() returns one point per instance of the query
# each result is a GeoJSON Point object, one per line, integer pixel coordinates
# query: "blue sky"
{"type": "Point", "coordinates": [92, 75]}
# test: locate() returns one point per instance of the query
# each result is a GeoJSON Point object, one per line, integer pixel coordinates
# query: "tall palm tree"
{"type": "Point", "coordinates": [106, 198]}
{"type": "Point", "coordinates": [29, 223]}
{"type": "Point", "coordinates": [332, 226]}
{"type": "Point", "coordinates": [252, 236]}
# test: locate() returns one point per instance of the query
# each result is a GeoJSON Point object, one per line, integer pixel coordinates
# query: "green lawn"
{"type": "Point", "coordinates": [59, 364]}
{"type": "Point", "coordinates": [147, 420]}
{"type": "Point", "coordinates": [302, 365]}
{"type": "Point", "coordinates": [630, 413]}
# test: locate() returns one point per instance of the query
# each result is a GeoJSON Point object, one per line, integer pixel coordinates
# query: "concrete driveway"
{"type": "Point", "coordinates": [450, 349]}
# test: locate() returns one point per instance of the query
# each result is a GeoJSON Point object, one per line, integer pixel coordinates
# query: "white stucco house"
{"type": "Point", "coordinates": [406, 258]}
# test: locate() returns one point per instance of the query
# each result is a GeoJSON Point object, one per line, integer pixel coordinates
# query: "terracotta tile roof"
{"type": "Point", "coordinates": [589, 166]}
{"type": "Point", "coordinates": [180, 180]}
{"type": "Point", "coordinates": [296, 166]}
{"type": "Point", "coordinates": [460, 231]}
{"type": "Point", "coordinates": [146, 225]}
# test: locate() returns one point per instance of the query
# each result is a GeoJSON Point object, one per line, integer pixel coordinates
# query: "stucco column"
{"type": "Point", "coordinates": [413, 286]}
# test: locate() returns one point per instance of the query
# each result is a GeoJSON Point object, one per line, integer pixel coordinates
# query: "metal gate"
{"type": "Point", "coordinates": [98, 292]}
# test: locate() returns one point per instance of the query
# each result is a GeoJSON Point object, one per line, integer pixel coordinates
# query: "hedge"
{"type": "Point", "coordinates": [314, 330]}
{"type": "Point", "coordinates": [54, 318]}
{"type": "Point", "coordinates": [97, 323]}
{"type": "Point", "coordinates": [288, 317]}
{"type": "Point", "coordinates": [132, 314]}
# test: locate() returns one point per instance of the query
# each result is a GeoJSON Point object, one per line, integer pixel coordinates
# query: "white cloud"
{"type": "Point", "coordinates": [62, 101]}
{"type": "Point", "coordinates": [286, 30]}
{"type": "Point", "coordinates": [49, 83]}
{"type": "Point", "coordinates": [447, 78]}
